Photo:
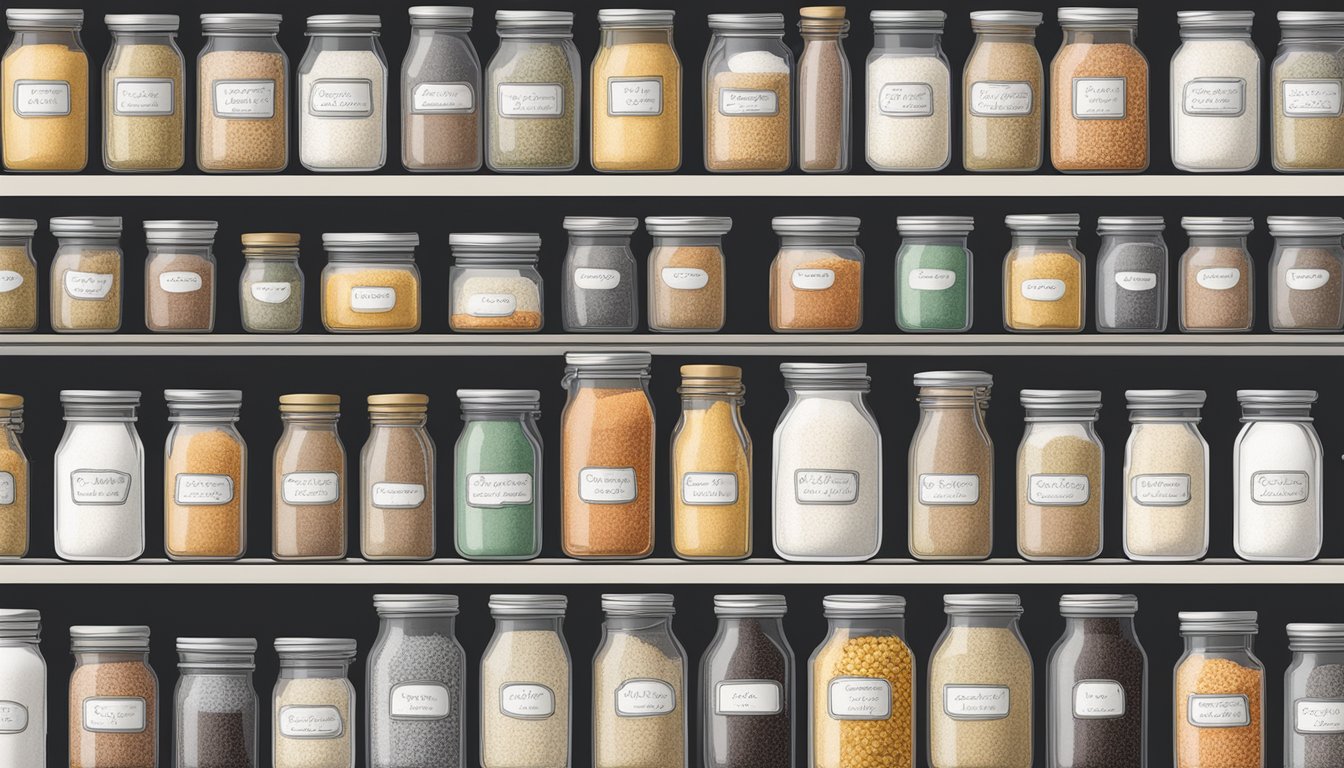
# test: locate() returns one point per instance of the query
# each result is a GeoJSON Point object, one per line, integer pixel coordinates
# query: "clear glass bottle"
{"type": "Point", "coordinates": [1277, 507]}
{"type": "Point", "coordinates": [144, 82]}
{"type": "Point", "coordinates": [114, 698]}
{"type": "Point", "coordinates": [748, 88]}
{"type": "Point", "coordinates": [1003, 92]}
{"type": "Point", "coordinates": [1166, 476]}
{"type": "Point", "coordinates": [441, 92]}
{"type": "Point", "coordinates": [1313, 695]}
{"type": "Point", "coordinates": [497, 505]}
{"type": "Point", "coordinates": [636, 77]}
{"type": "Point", "coordinates": [1044, 275]}
{"type": "Point", "coordinates": [688, 282]}
{"type": "Point", "coordinates": [180, 276]}
{"type": "Point", "coordinates": [215, 704]}
{"type": "Point", "coordinates": [1215, 93]}
{"type": "Point", "coordinates": [640, 686]}
{"type": "Point", "coordinates": [397, 466]}
{"type": "Point", "coordinates": [1060, 476]}
{"type": "Point", "coordinates": [816, 279]}
{"type": "Point", "coordinates": [1099, 101]}
{"type": "Point", "coordinates": [205, 476]}
{"type": "Point", "coordinates": [951, 468]}
{"type": "Point", "coordinates": [1306, 274]}
{"type": "Point", "coordinates": [46, 91]}
{"type": "Point", "coordinates": [525, 684]}
{"type": "Point", "coordinates": [909, 94]}
{"type": "Point", "coordinates": [1219, 684]}
{"type": "Point", "coordinates": [823, 91]}
{"type": "Point", "coordinates": [308, 502]}
{"type": "Point", "coordinates": [18, 276]}
{"type": "Point", "coordinates": [1217, 275]}
{"type": "Point", "coordinates": [494, 285]}
{"type": "Point", "coordinates": [313, 704]}
{"type": "Point", "coordinates": [23, 690]}
{"type": "Point", "coordinates": [15, 488]}
{"type": "Point", "coordinates": [1307, 87]}
{"type": "Point", "coordinates": [371, 283]}
{"type": "Point", "coordinates": [343, 94]}
{"type": "Point", "coordinates": [1131, 275]}
{"type": "Point", "coordinates": [711, 466]}
{"type": "Point", "coordinates": [270, 289]}
{"type": "Point", "coordinates": [934, 269]}
{"type": "Point", "coordinates": [86, 274]}
{"type": "Point", "coordinates": [747, 710]}
{"type": "Point", "coordinates": [533, 89]}
{"type": "Point", "coordinates": [100, 478]}
{"type": "Point", "coordinates": [600, 293]}
{"type": "Point", "coordinates": [242, 95]}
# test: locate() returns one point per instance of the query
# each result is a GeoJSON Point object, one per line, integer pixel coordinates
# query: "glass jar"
{"type": "Point", "coordinates": [1217, 275]}
{"type": "Point", "coordinates": [533, 89]}
{"type": "Point", "coordinates": [827, 472]}
{"type": "Point", "coordinates": [747, 89]}
{"type": "Point", "coordinates": [1060, 476]}
{"type": "Point", "coordinates": [1220, 691]}
{"type": "Point", "coordinates": [215, 704]}
{"type": "Point", "coordinates": [1044, 275]}
{"type": "Point", "coordinates": [144, 126]}
{"type": "Point", "coordinates": [18, 276]}
{"type": "Point", "coordinates": [100, 478]}
{"type": "Point", "coordinates": [980, 683]}
{"type": "Point", "coordinates": [636, 93]}
{"type": "Point", "coordinates": [23, 690]}
{"type": "Point", "coordinates": [308, 502]}
{"type": "Point", "coordinates": [747, 685]}
{"type": "Point", "coordinates": [1215, 93]}
{"type": "Point", "coordinates": [688, 288]}
{"type": "Point", "coordinates": [86, 274]}
{"type": "Point", "coordinates": [1278, 509]}
{"type": "Point", "coordinates": [371, 283]}
{"type": "Point", "coordinates": [343, 95]}
{"type": "Point", "coordinates": [242, 95]}
{"type": "Point", "coordinates": [205, 476]}
{"type": "Point", "coordinates": [951, 468]}
{"type": "Point", "coordinates": [1097, 686]}
{"type": "Point", "coordinates": [909, 93]}
{"type": "Point", "coordinates": [15, 490]}
{"type": "Point", "coordinates": [823, 91]}
{"type": "Point", "coordinates": [1003, 93]}
{"type": "Point", "coordinates": [1131, 275]}
{"type": "Point", "coordinates": [600, 292]}
{"type": "Point", "coordinates": [1166, 476]}
{"type": "Point", "coordinates": [313, 704]}
{"type": "Point", "coordinates": [1306, 274]}
{"type": "Point", "coordinates": [525, 684]}
{"type": "Point", "coordinates": [441, 92]}
{"type": "Point", "coordinates": [1313, 695]}
{"type": "Point", "coordinates": [639, 686]}
{"type": "Point", "coordinates": [46, 91]}
{"type": "Point", "coordinates": [396, 518]}
{"type": "Point", "coordinates": [933, 274]}
{"type": "Point", "coordinates": [816, 279]}
{"type": "Point", "coordinates": [494, 283]}
{"type": "Point", "coordinates": [607, 470]}
{"type": "Point", "coordinates": [114, 698]}
{"type": "Point", "coordinates": [711, 466]}
{"type": "Point", "coordinates": [1099, 104]}
{"type": "Point", "coordinates": [498, 475]}
{"type": "Point", "coordinates": [180, 275]}
{"type": "Point", "coordinates": [270, 290]}
{"type": "Point", "coordinates": [1307, 83]}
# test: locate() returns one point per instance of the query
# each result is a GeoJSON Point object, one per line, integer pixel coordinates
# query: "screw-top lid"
{"type": "Point", "coordinates": [441, 16]}
{"type": "Point", "coordinates": [344, 22]}
{"type": "Point", "coordinates": [491, 246]}
{"type": "Point", "coordinates": [180, 232]}
{"type": "Point", "coordinates": [369, 242]}
{"type": "Point", "coordinates": [203, 398]}
{"type": "Point", "coordinates": [228, 653]}
{"type": "Point", "coordinates": [1218, 225]}
{"type": "Point", "coordinates": [1294, 19]}
{"type": "Point", "coordinates": [1306, 226]}
{"type": "Point", "coordinates": [1098, 17]}
{"type": "Point", "coordinates": [746, 22]}
{"type": "Point", "coordinates": [270, 240]}
{"type": "Point", "coordinates": [1138, 399]}
{"type": "Point", "coordinates": [822, 12]}
{"type": "Point", "coordinates": [420, 605]}
{"type": "Point", "coordinates": [934, 225]}
{"type": "Point", "coordinates": [90, 226]}
{"type": "Point", "coordinates": [1277, 396]}
{"type": "Point", "coordinates": [398, 403]}
{"type": "Point", "coordinates": [506, 20]}
{"type": "Point", "coordinates": [100, 397]}
{"type": "Point", "coordinates": [23, 623]}
{"type": "Point", "coordinates": [495, 400]}
{"type": "Point", "coordinates": [982, 604]}
{"type": "Point", "coordinates": [631, 363]}
{"type": "Point", "coordinates": [307, 403]}
{"type": "Point", "coordinates": [1315, 637]}
{"type": "Point", "coordinates": [1117, 225]}
{"type": "Point", "coordinates": [243, 23]}
{"type": "Point", "coordinates": [953, 379]}
{"type": "Point", "coordinates": [316, 648]}
{"type": "Point", "coordinates": [1098, 605]}
{"type": "Point", "coordinates": [601, 225]}
{"type": "Point", "coordinates": [113, 637]}
{"type": "Point", "coordinates": [1215, 19]}
{"type": "Point", "coordinates": [750, 605]}
{"type": "Point", "coordinates": [634, 17]}
{"type": "Point", "coordinates": [826, 375]}
{"type": "Point", "coordinates": [720, 380]}
{"type": "Point", "coordinates": [56, 19]}
{"type": "Point", "coordinates": [1044, 223]}
{"type": "Point", "coordinates": [509, 606]}
{"type": "Point", "coordinates": [9, 403]}
{"type": "Point", "coordinates": [688, 226]}
{"type": "Point", "coordinates": [912, 21]}
{"type": "Point", "coordinates": [1046, 399]}
{"type": "Point", "coordinates": [646, 604]}
{"type": "Point", "coordinates": [142, 22]}
{"type": "Point", "coordinates": [847, 226]}
{"type": "Point", "coordinates": [986, 19]}
{"type": "Point", "coordinates": [17, 227]}
{"type": "Point", "coordinates": [857, 606]}
{"type": "Point", "coordinates": [1218, 622]}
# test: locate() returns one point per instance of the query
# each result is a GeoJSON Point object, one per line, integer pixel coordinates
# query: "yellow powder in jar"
{"type": "Point", "coordinates": [861, 743]}
{"type": "Point", "coordinates": [637, 108]}
{"type": "Point", "coordinates": [338, 300]}
{"type": "Point", "coordinates": [137, 134]}
{"type": "Point", "coordinates": [55, 134]}
{"type": "Point", "coordinates": [1044, 291]}
{"type": "Point", "coordinates": [213, 529]}
{"type": "Point", "coordinates": [13, 499]}
{"type": "Point", "coordinates": [709, 443]}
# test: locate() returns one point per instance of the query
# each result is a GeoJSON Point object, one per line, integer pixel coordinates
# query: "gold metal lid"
{"type": "Point", "coordinates": [10, 402]}
{"type": "Point", "coordinates": [307, 403]}
{"type": "Point", "coordinates": [271, 239]}
{"type": "Point", "coordinates": [711, 372]}
{"type": "Point", "coordinates": [398, 403]}
{"type": "Point", "coordinates": [822, 12]}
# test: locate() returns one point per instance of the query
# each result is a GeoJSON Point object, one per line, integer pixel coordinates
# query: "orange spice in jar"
{"type": "Point", "coordinates": [205, 476]}
{"type": "Point", "coordinates": [816, 280]}
{"type": "Point", "coordinates": [1220, 690]}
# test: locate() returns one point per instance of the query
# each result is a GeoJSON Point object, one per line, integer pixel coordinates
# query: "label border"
{"type": "Point", "coordinates": [919, 493]}
{"type": "Point", "coordinates": [1310, 700]}
{"type": "Point", "coordinates": [772, 92]}
{"type": "Point", "coordinates": [1189, 483]}
{"type": "Point", "coordinates": [1283, 98]}
{"type": "Point", "coordinates": [310, 503]}
{"type": "Point", "coordinates": [424, 487]}
{"type": "Point", "coordinates": [27, 718]}
{"type": "Point", "coordinates": [1124, 99]}
{"type": "Point", "coordinates": [631, 470]}
{"type": "Point", "coordinates": [1189, 710]}
{"type": "Point", "coordinates": [971, 101]}
{"type": "Point", "coordinates": [177, 490]}
{"type": "Point", "coordinates": [499, 102]}
{"type": "Point", "coordinates": [641, 79]}
{"type": "Point", "coordinates": [172, 96]}
{"type": "Point", "coordinates": [508, 714]}
{"type": "Point", "coordinates": [751, 681]}
{"type": "Point", "coordinates": [470, 87]}
{"type": "Point", "coordinates": [84, 714]}
{"type": "Point", "coordinates": [214, 99]}
{"type": "Point", "coordinates": [616, 697]}
{"type": "Point", "coordinates": [419, 718]}
{"type": "Point", "coordinates": [977, 718]}
{"type": "Point", "coordinates": [279, 729]}
{"type": "Point", "coordinates": [830, 710]}
{"type": "Point", "coordinates": [933, 107]}
{"type": "Point", "coordinates": [1124, 701]}
{"type": "Point", "coordinates": [69, 99]}
{"type": "Point", "coordinates": [1303, 500]}
{"type": "Point", "coordinates": [1241, 81]}
{"type": "Point", "coordinates": [1035, 503]}
{"type": "Point", "coordinates": [70, 476]}
{"type": "Point", "coordinates": [531, 493]}
{"type": "Point", "coordinates": [857, 489]}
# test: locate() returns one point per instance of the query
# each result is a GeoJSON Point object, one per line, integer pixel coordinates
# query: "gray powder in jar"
{"type": "Point", "coordinates": [589, 305]}
{"type": "Point", "coordinates": [535, 142]}
{"type": "Point", "coordinates": [1122, 308]}
{"type": "Point", "coordinates": [436, 138]}
{"type": "Point", "coordinates": [397, 741]}
{"type": "Point", "coordinates": [271, 297]}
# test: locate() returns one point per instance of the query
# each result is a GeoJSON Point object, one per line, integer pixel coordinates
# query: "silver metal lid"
{"type": "Point", "coordinates": [1315, 637]}
{"type": "Point", "coordinates": [255, 23]}
{"type": "Point", "coordinates": [44, 18]}
{"type": "Point", "coordinates": [456, 16]}
{"type": "Point", "coordinates": [515, 19]}
{"type": "Point", "coordinates": [826, 375]}
{"type": "Point", "coordinates": [425, 605]}
{"type": "Point", "coordinates": [344, 22]}
{"type": "Point", "coordinates": [1046, 398]}
{"type": "Point", "coordinates": [1044, 223]}
{"type": "Point", "coordinates": [1277, 396]}
{"type": "Point", "coordinates": [316, 648]}
{"type": "Point", "coordinates": [747, 22]}
{"type": "Point", "coordinates": [203, 397]}
{"type": "Point", "coordinates": [142, 22]}
{"type": "Point", "coordinates": [228, 645]}
{"type": "Point", "coordinates": [180, 232]}
{"type": "Point", "coordinates": [493, 243]}
{"type": "Point", "coordinates": [639, 604]}
{"type": "Point", "coordinates": [953, 379]}
{"type": "Point", "coordinates": [1306, 226]}
{"type": "Point", "coordinates": [1098, 605]}
{"type": "Point", "coordinates": [499, 400]}
{"type": "Point", "coordinates": [1311, 18]}
{"type": "Point", "coordinates": [100, 397]}
{"type": "Point", "coordinates": [1097, 17]}
{"type": "Point", "coordinates": [1138, 399]}
{"type": "Point", "coordinates": [1218, 622]}
{"type": "Point", "coordinates": [95, 226]}
{"type": "Point", "coordinates": [1214, 19]}
{"type": "Point", "coordinates": [375, 246]}
{"type": "Point", "coordinates": [1114, 225]}
{"type": "Point", "coordinates": [981, 603]}
{"type": "Point", "coordinates": [1218, 225]}
{"type": "Point", "coordinates": [876, 606]}
{"type": "Point", "coordinates": [1006, 18]}
{"type": "Point", "coordinates": [20, 622]}
{"type": "Point", "coordinates": [750, 605]}
{"type": "Point", "coordinates": [113, 637]}
{"type": "Point", "coordinates": [928, 20]}
{"type": "Point", "coordinates": [18, 227]}
{"type": "Point", "coordinates": [609, 359]}
{"type": "Point", "coordinates": [847, 226]}
{"type": "Point", "coordinates": [528, 605]}
{"type": "Point", "coordinates": [935, 225]}
{"type": "Point", "coordinates": [671, 226]}
{"type": "Point", "coordinates": [634, 17]}
{"type": "Point", "coordinates": [602, 225]}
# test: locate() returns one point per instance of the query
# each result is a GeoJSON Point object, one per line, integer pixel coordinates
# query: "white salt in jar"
{"type": "Point", "coordinates": [342, 91]}
{"type": "Point", "coordinates": [1215, 93]}
{"type": "Point", "coordinates": [100, 473]}
{"type": "Point", "coordinates": [23, 689]}
{"type": "Point", "coordinates": [1277, 506]}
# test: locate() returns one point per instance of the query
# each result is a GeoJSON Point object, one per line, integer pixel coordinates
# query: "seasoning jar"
{"type": "Point", "coordinates": [1097, 685]}
{"type": "Point", "coordinates": [1060, 476]}
{"type": "Point", "coordinates": [533, 84]}
{"type": "Point", "coordinates": [46, 91]}
{"type": "Point", "coordinates": [498, 475]}
{"type": "Point", "coordinates": [636, 81]}
{"type": "Point", "coordinates": [933, 274]}
{"type": "Point", "coordinates": [23, 690]}
{"type": "Point", "coordinates": [600, 291]}
{"type": "Point", "coordinates": [18, 276]}
{"type": "Point", "coordinates": [816, 279]}
{"type": "Point", "coordinates": [1166, 476]}
{"type": "Point", "coordinates": [1003, 93]}
{"type": "Point", "coordinates": [607, 438]}
{"type": "Point", "coordinates": [205, 476]}
{"type": "Point", "coordinates": [909, 93]}
{"type": "Point", "coordinates": [343, 94]}
{"type": "Point", "coordinates": [396, 520]}
{"type": "Point", "coordinates": [861, 685]}
{"type": "Point", "coordinates": [748, 85]}
{"type": "Point", "coordinates": [242, 87]}
{"type": "Point", "coordinates": [114, 698]}
{"type": "Point", "coordinates": [1099, 107]}
{"type": "Point", "coordinates": [827, 472]}
{"type": "Point", "coordinates": [1131, 275]}
{"type": "Point", "coordinates": [688, 288]}
{"type": "Point", "coordinates": [441, 92]}
{"type": "Point", "coordinates": [1220, 691]}
{"type": "Point", "coordinates": [1306, 292]}
{"type": "Point", "coordinates": [1313, 695]}
{"type": "Point", "coordinates": [639, 686]}
{"type": "Point", "coordinates": [100, 478]}
{"type": "Point", "coordinates": [417, 696]}
{"type": "Point", "coordinates": [180, 276]}
{"type": "Point", "coordinates": [1217, 275]}
{"type": "Point", "coordinates": [313, 704]}
{"type": "Point", "coordinates": [1307, 82]}
{"type": "Point", "coordinates": [1215, 93]}
{"type": "Point", "coordinates": [371, 283]}
{"type": "Point", "coordinates": [525, 684]}
{"type": "Point", "coordinates": [15, 488]}
{"type": "Point", "coordinates": [308, 502]}
{"type": "Point", "coordinates": [86, 274]}
{"type": "Point", "coordinates": [1278, 509]}
{"type": "Point", "coordinates": [215, 704]}
{"type": "Point", "coordinates": [1044, 275]}
{"type": "Point", "coordinates": [747, 685]}
{"type": "Point", "coordinates": [144, 128]}
{"type": "Point", "coordinates": [951, 468]}
{"type": "Point", "coordinates": [980, 683]}
{"type": "Point", "coordinates": [823, 91]}
{"type": "Point", "coordinates": [711, 466]}
{"type": "Point", "coordinates": [494, 283]}
{"type": "Point", "coordinates": [270, 289]}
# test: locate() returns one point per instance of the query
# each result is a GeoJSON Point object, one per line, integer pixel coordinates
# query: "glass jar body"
{"type": "Point", "coordinates": [525, 695]}
{"type": "Point", "coordinates": [748, 91]}
{"type": "Point", "coordinates": [15, 495]}
{"type": "Point", "coordinates": [497, 504]}
{"type": "Point", "coordinates": [25, 692]}
{"type": "Point", "coordinates": [1060, 488]}
{"type": "Point", "coordinates": [86, 285]}
{"type": "Point", "coordinates": [180, 288]}
{"type": "Point", "coordinates": [416, 701]}
{"type": "Point", "coordinates": [18, 285]}
{"type": "Point", "coordinates": [1099, 109]}
{"type": "Point", "coordinates": [909, 103]}
{"type": "Point", "coordinates": [313, 712]}
{"type": "Point", "coordinates": [397, 499]}
{"type": "Point", "coordinates": [205, 491]}
{"type": "Point", "coordinates": [45, 102]}
{"type": "Point", "coordinates": [1312, 696]}
{"type": "Point", "coordinates": [215, 718]}
{"type": "Point", "coordinates": [1215, 103]}
{"type": "Point", "coordinates": [1044, 280]}
{"type": "Point", "coordinates": [242, 103]}
{"type": "Point", "coordinates": [1277, 509]}
{"type": "Point", "coordinates": [1306, 285]}
{"type": "Point", "coordinates": [371, 297]}
{"type": "Point", "coordinates": [816, 284]}
{"type": "Point", "coordinates": [1306, 80]}
{"type": "Point", "coordinates": [1003, 92]}
{"type": "Point", "coordinates": [309, 506]}
{"type": "Point", "coordinates": [100, 491]}
{"type": "Point", "coordinates": [441, 102]}
{"type": "Point", "coordinates": [601, 288]}
{"type": "Point", "coordinates": [144, 124]}
{"type": "Point", "coordinates": [639, 695]}
{"type": "Point", "coordinates": [1217, 286]}
{"type": "Point", "coordinates": [501, 297]}
{"type": "Point", "coordinates": [1166, 491]}
{"type": "Point", "coordinates": [747, 694]}
{"type": "Point", "coordinates": [343, 103]}
{"type": "Point", "coordinates": [980, 701]}
{"type": "Point", "coordinates": [711, 480]}
{"type": "Point", "coordinates": [1132, 283]}
{"type": "Point", "coordinates": [688, 289]}
{"type": "Point", "coordinates": [113, 710]}
{"type": "Point", "coordinates": [636, 116]}
{"type": "Point", "coordinates": [861, 695]}
{"type": "Point", "coordinates": [951, 494]}
{"type": "Point", "coordinates": [1097, 688]}
{"type": "Point", "coordinates": [934, 284]}
{"type": "Point", "coordinates": [532, 105]}
{"type": "Point", "coordinates": [823, 100]}
{"type": "Point", "coordinates": [271, 294]}
{"type": "Point", "coordinates": [1219, 688]}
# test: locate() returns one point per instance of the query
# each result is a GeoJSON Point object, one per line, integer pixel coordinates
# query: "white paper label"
{"type": "Point", "coordinates": [748, 697]}
{"type": "Point", "coordinates": [443, 99]}
{"type": "Point", "coordinates": [1058, 490]}
{"type": "Point", "coordinates": [1305, 279]}
{"type": "Point", "coordinates": [645, 698]}
{"type": "Point", "coordinates": [271, 293]}
{"type": "Point", "coordinates": [202, 490]}
{"type": "Point", "coordinates": [1099, 98]}
{"type": "Point", "coordinates": [244, 99]}
{"type": "Point", "coordinates": [685, 278]}
{"type": "Point", "coordinates": [735, 102]}
{"type": "Point", "coordinates": [41, 98]}
{"type": "Point", "coordinates": [88, 286]}
{"type": "Point", "coordinates": [6, 489]}
{"type": "Point", "coordinates": [491, 304]}
{"type": "Point", "coordinates": [526, 701]}
{"type": "Point", "coordinates": [180, 282]}
{"type": "Point", "coordinates": [1214, 97]}
{"type": "Point", "coordinates": [419, 701]}
{"type": "Point", "coordinates": [99, 487]}
{"type": "Point", "coordinates": [931, 279]}
{"type": "Point", "coordinates": [1312, 98]}
{"type": "Point", "coordinates": [13, 717]}
{"type": "Point", "coordinates": [998, 98]}
{"type": "Point", "coordinates": [1218, 279]}
{"type": "Point", "coordinates": [1098, 700]}
{"type": "Point", "coordinates": [143, 97]}
{"type": "Point", "coordinates": [397, 495]}
{"type": "Point", "coordinates": [905, 100]}
{"type": "Point", "coordinates": [977, 702]}
{"type": "Point", "coordinates": [954, 490]}
{"type": "Point", "coordinates": [531, 100]}
{"type": "Point", "coordinates": [334, 97]}
{"type": "Point", "coordinates": [1136, 281]}
{"type": "Point", "coordinates": [858, 698]}
{"type": "Point", "coordinates": [1044, 289]}
{"type": "Point", "coordinates": [589, 279]}
{"type": "Point", "coordinates": [825, 486]}
{"type": "Point", "coordinates": [114, 714]}
{"type": "Point", "coordinates": [608, 485]}
{"type": "Point", "coordinates": [708, 488]}
{"type": "Point", "coordinates": [372, 299]}
{"type": "Point", "coordinates": [1160, 490]}
{"type": "Point", "coordinates": [310, 722]}
{"type": "Point", "coordinates": [509, 489]}
{"type": "Point", "coordinates": [9, 280]}
{"type": "Point", "coordinates": [813, 279]}
{"type": "Point", "coordinates": [1318, 715]}
{"type": "Point", "coordinates": [1280, 487]}
{"type": "Point", "coordinates": [1218, 711]}
{"type": "Point", "coordinates": [304, 488]}
{"type": "Point", "coordinates": [640, 96]}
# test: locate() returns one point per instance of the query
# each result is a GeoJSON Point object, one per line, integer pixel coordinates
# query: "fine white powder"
{"type": "Point", "coordinates": [342, 114]}
{"type": "Point", "coordinates": [107, 522]}
{"type": "Point", "coordinates": [1278, 494]}
{"type": "Point", "coordinates": [757, 62]}
{"type": "Point", "coordinates": [1215, 105]}
{"type": "Point", "coordinates": [23, 704]}
{"type": "Point", "coordinates": [1166, 503]}
{"type": "Point", "coordinates": [909, 113]}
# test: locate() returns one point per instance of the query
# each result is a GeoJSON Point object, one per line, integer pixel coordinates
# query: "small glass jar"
{"type": "Point", "coordinates": [144, 90]}
{"type": "Point", "coordinates": [313, 704]}
{"type": "Point", "coordinates": [86, 274]}
{"type": "Point", "coordinates": [525, 684]}
{"type": "Point", "coordinates": [100, 478]}
{"type": "Point", "coordinates": [1307, 86]}
{"type": "Point", "coordinates": [114, 698]}
{"type": "Point", "coordinates": [498, 475]}
{"type": "Point", "coordinates": [396, 519]}
{"type": "Point", "coordinates": [441, 92]}
{"type": "Point", "coordinates": [1166, 476]}
{"type": "Point", "coordinates": [816, 279]}
{"type": "Point", "coordinates": [1131, 275]}
{"type": "Point", "coordinates": [18, 276]}
{"type": "Point", "coordinates": [15, 489]}
{"type": "Point", "coordinates": [711, 466]}
{"type": "Point", "coordinates": [1278, 508]}
{"type": "Point", "coordinates": [1215, 93]}
{"type": "Point", "coordinates": [205, 476]}
{"type": "Point", "coordinates": [371, 283]}
{"type": "Point", "coordinates": [1003, 93]}
{"type": "Point", "coordinates": [215, 704]}
{"type": "Point", "coordinates": [1219, 692]}
{"type": "Point", "coordinates": [180, 273]}
{"type": "Point", "coordinates": [1099, 104]}
{"type": "Point", "coordinates": [1044, 275]}
{"type": "Point", "coordinates": [600, 293]}
{"type": "Point", "coordinates": [909, 93]}
{"type": "Point", "coordinates": [494, 285]}
{"type": "Point", "coordinates": [636, 77]}
{"type": "Point", "coordinates": [640, 686]}
{"type": "Point", "coordinates": [951, 468]}
{"type": "Point", "coordinates": [747, 710]}
{"type": "Point", "coordinates": [688, 288]}
{"type": "Point", "coordinates": [242, 95]}
{"type": "Point", "coordinates": [1306, 274]}
{"type": "Point", "coordinates": [533, 86]}
{"type": "Point", "coordinates": [1217, 275]}
{"type": "Point", "coordinates": [1060, 476]}
{"type": "Point", "coordinates": [45, 96]}
{"type": "Point", "coordinates": [23, 690]}
{"type": "Point", "coordinates": [308, 501]}
{"type": "Point", "coordinates": [747, 90]}
{"type": "Point", "coordinates": [934, 274]}
{"type": "Point", "coordinates": [1313, 695]}
{"type": "Point", "coordinates": [270, 289]}
{"type": "Point", "coordinates": [823, 91]}
{"type": "Point", "coordinates": [343, 94]}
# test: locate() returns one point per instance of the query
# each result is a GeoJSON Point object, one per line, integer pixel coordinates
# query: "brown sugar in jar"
{"type": "Point", "coordinates": [308, 497]}
{"type": "Point", "coordinates": [242, 95]}
{"type": "Point", "coordinates": [816, 280]}
{"type": "Point", "coordinates": [396, 519]}
{"type": "Point", "coordinates": [114, 698]}
{"type": "Point", "coordinates": [180, 276]}
{"type": "Point", "coordinates": [687, 280]}
{"type": "Point", "coordinates": [1099, 103]}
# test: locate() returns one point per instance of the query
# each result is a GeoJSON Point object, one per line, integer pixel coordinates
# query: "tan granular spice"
{"type": "Point", "coordinates": [104, 749]}
{"type": "Point", "coordinates": [1166, 531]}
{"type": "Point", "coordinates": [338, 312]}
{"type": "Point", "coordinates": [864, 743]}
{"type": "Point", "coordinates": [397, 454]}
{"type": "Point", "coordinates": [1115, 144]}
{"type": "Point", "coordinates": [748, 142]}
{"type": "Point", "coordinates": [525, 657]}
{"type": "Point", "coordinates": [1320, 308]}
{"type": "Point", "coordinates": [204, 530]}
{"type": "Point", "coordinates": [610, 430]}
{"type": "Point", "coordinates": [1218, 747]}
{"type": "Point", "coordinates": [143, 142]}
{"type": "Point", "coordinates": [46, 142]}
{"type": "Point", "coordinates": [314, 752]}
{"type": "Point", "coordinates": [950, 441]}
{"type": "Point", "coordinates": [837, 308]}
{"type": "Point", "coordinates": [636, 142]}
{"type": "Point", "coordinates": [1003, 142]}
{"type": "Point", "coordinates": [682, 309]}
{"type": "Point", "coordinates": [308, 531]}
{"type": "Point", "coordinates": [72, 314]}
{"type": "Point", "coordinates": [981, 657]}
{"type": "Point", "coordinates": [823, 106]}
{"type": "Point", "coordinates": [1027, 270]}
{"type": "Point", "coordinates": [709, 442]}
{"type": "Point", "coordinates": [441, 142]}
{"type": "Point", "coordinates": [239, 143]}
{"type": "Point", "coordinates": [1307, 143]}
{"type": "Point", "coordinates": [13, 497]}
{"type": "Point", "coordinates": [1055, 531]}
{"type": "Point", "coordinates": [192, 310]}
{"type": "Point", "coordinates": [1215, 308]}
{"type": "Point", "coordinates": [18, 305]}
{"type": "Point", "coordinates": [639, 741]}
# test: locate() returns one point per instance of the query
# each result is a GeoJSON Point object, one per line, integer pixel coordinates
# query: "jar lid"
{"type": "Point", "coordinates": [1006, 19]}
{"type": "Point", "coordinates": [671, 226]}
{"type": "Point", "coordinates": [454, 16]}
{"type": "Point", "coordinates": [1214, 19]}
{"type": "Point", "coordinates": [515, 19]}
{"type": "Point", "coordinates": [953, 379]}
{"type": "Point", "coordinates": [1315, 637]}
{"type": "Point", "coordinates": [310, 403]}
{"type": "Point", "coordinates": [930, 20]}
{"type": "Point", "coordinates": [982, 604]}
{"type": "Point", "coordinates": [711, 380]}
{"type": "Point", "coordinates": [10, 402]}
{"type": "Point", "coordinates": [1218, 225]}
{"type": "Point", "coordinates": [1306, 226]}
{"type": "Point", "coordinates": [615, 361]}
{"type": "Point", "coordinates": [180, 232]}
{"type": "Point", "coordinates": [634, 17]}
{"type": "Point", "coordinates": [528, 605]}
{"type": "Point", "coordinates": [370, 242]}
{"type": "Point", "coordinates": [109, 638]}
{"type": "Point", "coordinates": [316, 648]}
{"type": "Point", "coordinates": [847, 226]}
{"type": "Point", "coordinates": [935, 225]}
{"type": "Point", "coordinates": [1147, 399]}
{"type": "Point", "coordinates": [1044, 223]}
{"type": "Point", "coordinates": [826, 375]}
{"type": "Point", "coordinates": [74, 226]}
{"type": "Point", "coordinates": [142, 22]}
{"type": "Point", "coordinates": [711, 372]}
{"type": "Point", "coordinates": [421, 605]}
{"type": "Point", "coordinates": [1116, 225]}
{"type": "Point", "coordinates": [750, 605]}
{"type": "Point", "coordinates": [229, 645]}
{"type": "Point", "coordinates": [1097, 17]}
{"type": "Point", "coordinates": [1060, 398]}
{"type": "Point", "coordinates": [486, 244]}
{"type": "Point", "coordinates": [1277, 396]}
{"type": "Point", "coordinates": [61, 19]}
{"type": "Point", "coordinates": [20, 622]}
{"type": "Point", "coordinates": [270, 239]}
{"type": "Point", "coordinates": [17, 227]}
{"type": "Point", "coordinates": [203, 398]}
{"type": "Point", "coordinates": [100, 397]}
{"type": "Point", "coordinates": [1098, 605]}
{"type": "Point", "coordinates": [1289, 19]}
{"type": "Point", "coordinates": [344, 22]}
{"type": "Point", "coordinates": [398, 403]}
{"type": "Point", "coordinates": [610, 225]}
{"type": "Point", "coordinates": [473, 400]}
{"type": "Point", "coordinates": [645, 604]}
{"type": "Point", "coordinates": [212, 23]}
{"type": "Point", "coordinates": [1218, 622]}
{"type": "Point", "coordinates": [855, 606]}
{"type": "Point", "coordinates": [747, 22]}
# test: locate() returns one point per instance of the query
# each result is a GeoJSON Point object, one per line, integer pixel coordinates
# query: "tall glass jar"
{"type": "Point", "coordinates": [951, 468]}
{"type": "Point", "coordinates": [494, 285]}
{"type": "Point", "coordinates": [1099, 104]}
{"type": "Point", "coordinates": [214, 704]}
{"type": "Point", "coordinates": [747, 710]}
{"type": "Point", "coordinates": [308, 501]}
{"type": "Point", "coordinates": [823, 91]}
{"type": "Point", "coordinates": [18, 276]}
{"type": "Point", "coordinates": [270, 289]}
{"type": "Point", "coordinates": [180, 276]}
{"type": "Point", "coordinates": [113, 698]}
{"type": "Point", "coordinates": [600, 292]}
{"type": "Point", "coordinates": [1060, 476]}
{"type": "Point", "coordinates": [441, 92]}
{"type": "Point", "coordinates": [640, 686]}
{"type": "Point", "coordinates": [688, 283]}
{"type": "Point", "coordinates": [23, 691]}
{"type": "Point", "coordinates": [533, 87]}
{"type": "Point", "coordinates": [1166, 476]}
{"type": "Point", "coordinates": [1044, 275]}
{"type": "Point", "coordinates": [1215, 93]}
{"type": "Point", "coordinates": [711, 466]}
{"type": "Point", "coordinates": [1217, 275]}
{"type": "Point", "coordinates": [934, 274]}
{"type": "Point", "coordinates": [371, 283]}
{"type": "Point", "coordinates": [15, 488]}
{"type": "Point", "coordinates": [636, 77]}
{"type": "Point", "coordinates": [747, 94]}
{"type": "Point", "coordinates": [45, 95]}
{"type": "Point", "coordinates": [909, 93]}
{"type": "Point", "coordinates": [816, 279]}
{"type": "Point", "coordinates": [1003, 93]}
{"type": "Point", "coordinates": [525, 685]}
{"type": "Point", "coordinates": [100, 478]}
{"type": "Point", "coordinates": [144, 82]}
{"type": "Point", "coordinates": [1306, 274]}
{"type": "Point", "coordinates": [86, 274]}
{"type": "Point", "coordinates": [1219, 692]}
{"type": "Point", "coordinates": [205, 476]}
{"type": "Point", "coordinates": [1131, 275]}
{"type": "Point", "coordinates": [1313, 696]}
{"type": "Point", "coordinates": [343, 94]}
{"type": "Point", "coordinates": [397, 465]}
{"type": "Point", "coordinates": [242, 95]}
{"type": "Point", "coordinates": [1307, 86]}
{"type": "Point", "coordinates": [498, 475]}
{"type": "Point", "coordinates": [313, 704]}
{"type": "Point", "coordinates": [1277, 508]}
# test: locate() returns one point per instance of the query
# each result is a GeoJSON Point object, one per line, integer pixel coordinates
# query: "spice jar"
{"type": "Point", "coordinates": [639, 686]}
{"type": "Point", "coordinates": [1217, 275]}
{"type": "Point", "coordinates": [1044, 275]}
{"type": "Point", "coordinates": [270, 289]}
{"type": "Point", "coordinates": [86, 274]}
{"type": "Point", "coordinates": [1307, 82]}
{"type": "Point", "coordinates": [1215, 93]}
{"type": "Point", "coordinates": [1220, 690]}
{"type": "Point", "coordinates": [636, 93]}
{"type": "Point", "coordinates": [1131, 275]}
{"type": "Point", "coordinates": [823, 91]}
{"type": "Point", "coordinates": [498, 475]}
{"type": "Point", "coordinates": [15, 487]}
{"type": "Point", "coordinates": [144, 129]}
{"type": "Point", "coordinates": [114, 698]}
{"type": "Point", "coordinates": [343, 94]}
{"type": "Point", "coordinates": [46, 91]}
{"type": "Point", "coordinates": [827, 471]}
{"type": "Point", "coordinates": [242, 89]}
{"type": "Point", "coordinates": [215, 704]}
{"type": "Point", "coordinates": [1060, 464]}
{"type": "Point", "coordinates": [396, 520]}
{"type": "Point", "coordinates": [495, 285]}
{"type": "Point", "coordinates": [23, 689]}
{"type": "Point", "coordinates": [1306, 290]}
{"type": "Point", "coordinates": [980, 683]}
{"type": "Point", "coordinates": [533, 86]}
{"type": "Point", "coordinates": [711, 466]}
{"type": "Point", "coordinates": [1099, 104]}
{"type": "Point", "coordinates": [313, 704]}
{"type": "Point", "coordinates": [1002, 89]}
{"type": "Point", "coordinates": [1313, 695]}
{"type": "Point", "coordinates": [687, 281]}
{"type": "Point", "coordinates": [933, 274]}
{"type": "Point", "coordinates": [909, 93]}
{"type": "Point", "coordinates": [816, 279]}
{"type": "Point", "coordinates": [862, 685]}
{"type": "Point", "coordinates": [308, 502]}
{"type": "Point", "coordinates": [525, 684]}
{"type": "Point", "coordinates": [748, 86]}
{"type": "Point", "coordinates": [951, 465]}
{"type": "Point", "coordinates": [1166, 476]}
{"type": "Point", "coordinates": [100, 474]}
{"type": "Point", "coordinates": [1278, 508]}
{"type": "Point", "coordinates": [747, 685]}
{"type": "Point", "coordinates": [441, 92]}
{"type": "Point", "coordinates": [180, 276]}
{"type": "Point", "coordinates": [607, 436]}
{"type": "Point", "coordinates": [600, 291]}
{"type": "Point", "coordinates": [18, 276]}
{"type": "Point", "coordinates": [370, 283]}
{"type": "Point", "coordinates": [205, 476]}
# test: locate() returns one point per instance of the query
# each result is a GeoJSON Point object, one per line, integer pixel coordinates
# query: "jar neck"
{"type": "Point", "coordinates": [1219, 643]}
{"type": "Point", "coordinates": [67, 37]}
{"type": "Point", "coordinates": [1051, 240]}
{"type": "Point", "coordinates": [144, 38]}
{"type": "Point", "coordinates": [1315, 241]}
{"type": "Point", "coordinates": [299, 669]}
{"type": "Point", "coordinates": [958, 240]}
{"type": "Point", "coordinates": [398, 419]}
{"type": "Point", "coordinates": [588, 239]}
{"type": "Point", "coordinates": [1112, 239]}
{"type": "Point", "coordinates": [540, 34]}
{"type": "Point", "coordinates": [1321, 34]}
{"type": "Point", "coordinates": [705, 399]}
{"type": "Point", "coordinates": [1254, 413]}
{"type": "Point", "coordinates": [1165, 416]}
{"type": "Point", "coordinates": [528, 624]}
{"type": "Point", "coordinates": [321, 421]}
{"type": "Point", "coordinates": [79, 413]}
{"type": "Point", "coordinates": [1218, 241]}
{"type": "Point", "coordinates": [892, 624]}
{"type": "Point", "coordinates": [111, 657]}
{"type": "Point", "coordinates": [1085, 416]}
{"type": "Point", "coordinates": [194, 670]}
{"type": "Point", "coordinates": [1215, 33]}
{"type": "Point", "coordinates": [180, 249]}
{"type": "Point", "coordinates": [641, 624]}
{"type": "Point", "coordinates": [267, 255]}
{"type": "Point", "coordinates": [908, 41]}
{"type": "Point", "coordinates": [113, 243]}
{"type": "Point", "coordinates": [982, 621]}
{"type": "Point", "coordinates": [1109, 36]}
{"type": "Point", "coordinates": [1121, 625]}
{"type": "Point", "coordinates": [813, 241]}
{"type": "Point", "coordinates": [1007, 34]}
{"type": "Point", "coordinates": [633, 35]}
{"type": "Point", "coordinates": [419, 624]}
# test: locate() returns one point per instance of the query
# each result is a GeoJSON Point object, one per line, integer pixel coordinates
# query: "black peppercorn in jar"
{"type": "Point", "coordinates": [747, 685]}
{"type": "Point", "coordinates": [215, 703]}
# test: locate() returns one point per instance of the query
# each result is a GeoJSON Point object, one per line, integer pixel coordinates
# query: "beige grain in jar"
{"type": "Point", "coordinates": [748, 88]}
{"type": "Point", "coordinates": [396, 520]}
{"type": "Point", "coordinates": [143, 97]}
{"type": "Point", "coordinates": [242, 95]}
{"type": "Point", "coordinates": [45, 93]}
{"type": "Point", "coordinates": [687, 280]}
{"type": "Point", "coordinates": [1002, 92]}
{"type": "Point", "coordinates": [86, 274]}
